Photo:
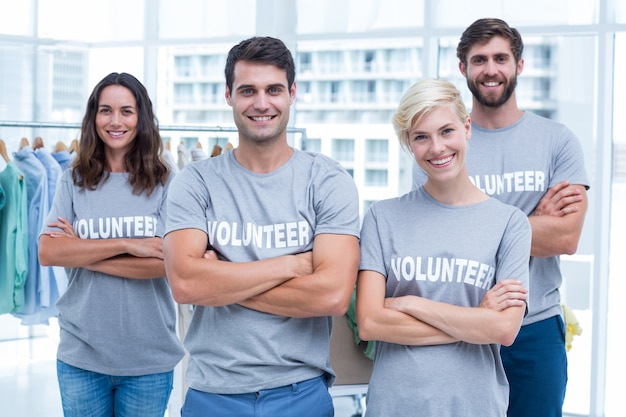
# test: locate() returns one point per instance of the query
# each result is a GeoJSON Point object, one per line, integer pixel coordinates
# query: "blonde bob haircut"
{"type": "Point", "coordinates": [419, 100]}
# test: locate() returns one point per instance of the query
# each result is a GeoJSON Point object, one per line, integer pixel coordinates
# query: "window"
{"type": "Point", "coordinates": [183, 66]}
{"type": "Point", "coordinates": [304, 62]}
{"type": "Point", "coordinates": [343, 150]}
{"type": "Point", "coordinates": [376, 177]}
{"type": "Point", "coordinates": [313, 145]}
{"type": "Point", "coordinates": [183, 93]}
{"type": "Point", "coordinates": [364, 91]}
{"type": "Point", "coordinates": [376, 150]}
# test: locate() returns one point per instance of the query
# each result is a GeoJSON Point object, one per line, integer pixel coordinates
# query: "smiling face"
{"type": "Point", "coordinates": [491, 72]}
{"type": "Point", "coordinates": [260, 99]}
{"type": "Point", "coordinates": [116, 119]}
{"type": "Point", "coordinates": [439, 143]}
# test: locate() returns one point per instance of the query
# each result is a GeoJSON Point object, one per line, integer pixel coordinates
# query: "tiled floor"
{"type": "Point", "coordinates": [28, 385]}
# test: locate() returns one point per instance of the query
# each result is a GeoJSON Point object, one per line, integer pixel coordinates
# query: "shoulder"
{"type": "Point", "coordinates": [320, 168]}
{"type": "Point", "coordinates": [506, 211]}
{"type": "Point", "coordinates": [539, 122]}
{"type": "Point", "coordinates": [402, 203]}
{"type": "Point", "coordinates": [316, 159]}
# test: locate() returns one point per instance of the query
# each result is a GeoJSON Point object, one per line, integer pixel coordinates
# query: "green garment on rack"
{"type": "Point", "coordinates": [370, 346]}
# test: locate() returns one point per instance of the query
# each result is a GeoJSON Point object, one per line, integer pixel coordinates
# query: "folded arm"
{"type": "Point", "coordinates": [417, 321]}
{"type": "Point", "coordinates": [376, 321]}
{"type": "Point", "coordinates": [470, 324]}
{"type": "Point", "coordinates": [124, 257]}
{"type": "Point", "coordinates": [205, 280]}
{"type": "Point", "coordinates": [324, 292]}
{"type": "Point", "coordinates": [557, 221]}
{"type": "Point", "coordinates": [128, 266]}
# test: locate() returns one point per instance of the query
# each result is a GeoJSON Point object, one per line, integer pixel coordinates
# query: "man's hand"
{"type": "Point", "coordinates": [560, 200]}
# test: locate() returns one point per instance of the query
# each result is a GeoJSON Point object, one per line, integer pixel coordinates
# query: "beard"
{"type": "Point", "coordinates": [493, 100]}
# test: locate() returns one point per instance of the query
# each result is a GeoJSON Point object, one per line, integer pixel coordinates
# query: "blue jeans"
{"type": "Point", "coordinates": [536, 366]}
{"type": "Point", "coordinates": [308, 398]}
{"type": "Point", "coordinates": [90, 394]}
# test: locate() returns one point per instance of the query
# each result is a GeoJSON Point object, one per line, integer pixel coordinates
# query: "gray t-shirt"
{"type": "Point", "coordinates": [108, 324]}
{"type": "Point", "coordinates": [451, 254]}
{"type": "Point", "coordinates": [248, 217]}
{"type": "Point", "coordinates": [517, 164]}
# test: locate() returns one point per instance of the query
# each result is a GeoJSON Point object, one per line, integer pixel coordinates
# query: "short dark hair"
{"type": "Point", "coordinates": [265, 50]}
{"type": "Point", "coordinates": [482, 31]}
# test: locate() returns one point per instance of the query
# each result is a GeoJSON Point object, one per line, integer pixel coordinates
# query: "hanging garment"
{"type": "Point", "coordinates": [13, 239]}
{"type": "Point", "coordinates": [37, 197]}
{"type": "Point", "coordinates": [51, 289]}
{"type": "Point", "coordinates": [183, 158]}
{"type": "Point", "coordinates": [64, 158]}
{"type": "Point", "coordinates": [168, 157]}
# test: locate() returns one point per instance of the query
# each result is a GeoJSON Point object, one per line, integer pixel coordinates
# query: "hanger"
{"type": "Point", "coordinates": [38, 143]}
{"type": "Point", "coordinates": [74, 146]}
{"type": "Point", "coordinates": [217, 149]}
{"type": "Point", "coordinates": [3, 151]}
{"type": "Point", "coordinates": [24, 142]}
{"type": "Point", "coordinates": [60, 146]}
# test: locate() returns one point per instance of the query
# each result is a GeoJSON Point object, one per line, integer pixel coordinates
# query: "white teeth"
{"type": "Point", "coordinates": [441, 161]}
{"type": "Point", "coordinates": [492, 84]}
{"type": "Point", "coordinates": [262, 118]}
{"type": "Point", "coordinates": [116, 134]}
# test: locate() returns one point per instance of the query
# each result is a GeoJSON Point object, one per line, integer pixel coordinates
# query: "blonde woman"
{"type": "Point", "coordinates": [428, 260]}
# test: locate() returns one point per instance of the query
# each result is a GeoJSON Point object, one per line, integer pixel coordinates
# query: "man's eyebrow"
{"type": "Point", "coordinates": [246, 86]}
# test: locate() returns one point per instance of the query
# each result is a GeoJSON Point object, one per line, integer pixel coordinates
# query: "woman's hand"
{"type": "Point", "coordinates": [506, 293]}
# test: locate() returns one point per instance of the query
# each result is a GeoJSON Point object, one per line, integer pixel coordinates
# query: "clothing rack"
{"type": "Point", "coordinates": [164, 128]}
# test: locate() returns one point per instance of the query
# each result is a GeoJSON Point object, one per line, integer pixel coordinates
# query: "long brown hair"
{"type": "Point", "coordinates": [143, 161]}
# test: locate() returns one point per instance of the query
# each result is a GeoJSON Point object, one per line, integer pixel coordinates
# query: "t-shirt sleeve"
{"type": "Point", "coordinates": [514, 251]}
{"type": "Point", "coordinates": [337, 207]}
{"type": "Point", "coordinates": [62, 205]}
{"type": "Point", "coordinates": [372, 258]}
{"type": "Point", "coordinates": [187, 201]}
{"type": "Point", "coordinates": [569, 164]}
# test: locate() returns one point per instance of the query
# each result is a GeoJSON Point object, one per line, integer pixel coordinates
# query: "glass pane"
{"type": "Point", "coordinates": [343, 150]}
{"type": "Point", "coordinates": [354, 81]}
{"type": "Point", "coordinates": [451, 13]}
{"type": "Point", "coordinates": [313, 145]}
{"type": "Point", "coordinates": [17, 19]}
{"type": "Point", "coordinates": [103, 61]}
{"type": "Point", "coordinates": [576, 110]}
{"type": "Point", "coordinates": [206, 19]}
{"type": "Point", "coordinates": [616, 361]}
{"type": "Point", "coordinates": [376, 177]}
{"type": "Point", "coordinates": [348, 16]}
{"type": "Point", "coordinates": [620, 11]}
{"type": "Point", "coordinates": [86, 21]}
{"type": "Point", "coordinates": [376, 150]}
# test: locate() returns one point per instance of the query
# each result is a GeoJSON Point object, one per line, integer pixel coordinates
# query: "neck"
{"type": "Point", "coordinates": [263, 158]}
{"type": "Point", "coordinates": [459, 192]}
{"type": "Point", "coordinates": [496, 117]}
{"type": "Point", "coordinates": [115, 161]}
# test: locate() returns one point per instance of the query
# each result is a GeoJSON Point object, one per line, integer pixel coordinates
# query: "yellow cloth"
{"type": "Point", "coordinates": [572, 327]}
